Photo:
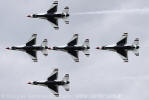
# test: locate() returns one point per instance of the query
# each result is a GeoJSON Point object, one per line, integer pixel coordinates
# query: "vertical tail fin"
{"type": "Point", "coordinates": [66, 80]}
{"type": "Point", "coordinates": [45, 45]}
{"type": "Point", "coordinates": [136, 44]}
{"type": "Point", "coordinates": [87, 47]}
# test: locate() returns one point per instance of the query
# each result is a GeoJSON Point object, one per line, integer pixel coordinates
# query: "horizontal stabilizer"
{"type": "Point", "coordinates": [66, 78]}
{"type": "Point", "coordinates": [66, 10]}
{"type": "Point", "coordinates": [136, 42]}
{"type": "Point", "coordinates": [67, 87]}
{"type": "Point", "coordinates": [45, 52]}
{"type": "Point", "coordinates": [136, 52]}
{"type": "Point", "coordinates": [87, 47]}
{"type": "Point", "coordinates": [45, 43]}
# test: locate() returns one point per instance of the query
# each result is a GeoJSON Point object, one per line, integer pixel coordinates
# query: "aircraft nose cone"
{"type": "Point", "coordinates": [29, 16]}
{"type": "Point", "coordinates": [29, 83]}
{"type": "Point", "coordinates": [97, 47]}
{"type": "Point", "coordinates": [8, 48]}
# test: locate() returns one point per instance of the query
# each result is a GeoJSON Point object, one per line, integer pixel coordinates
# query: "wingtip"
{"type": "Point", "coordinates": [34, 34]}
{"type": "Point", "coordinates": [56, 69]}
{"type": "Point", "coordinates": [77, 61]}
{"type": "Point", "coordinates": [45, 54]}
{"type": "Point", "coordinates": [125, 33]}
{"type": "Point", "coordinates": [87, 55]}
{"type": "Point", "coordinates": [55, 2]}
{"type": "Point", "coordinates": [126, 61]}
{"type": "Point", "coordinates": [76, 34]}
{"type": "Point", "coordinates": [137, 39]}
{"type": "Point", "coordinates": [35, 60]}
{"type": "Point", "coordinates": [66, 7]}
{"type": "Point", "coordinates": [56, 28]}
{"type": "Point", "coordinates": [86, 39]}
{"type": "Point", "coordinates": [66, 75]}
{"type": "Point", "coordinates": [57, 95]}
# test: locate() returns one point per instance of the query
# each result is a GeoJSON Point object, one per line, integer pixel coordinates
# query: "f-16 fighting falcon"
{"type": "Point", "coordinates": [31, 49]}
{"type": "Point", "coordinates": [122, 48]}
{"type": "Point", "coordinates": [53, 84]}
{"type": "Point", "coordinates": [52, 15]}
{"type": "Point", "coordinates": [73, 50]}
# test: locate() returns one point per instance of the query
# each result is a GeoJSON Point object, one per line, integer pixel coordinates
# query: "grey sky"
{"type": "Point", "coordinates": [103, 73]}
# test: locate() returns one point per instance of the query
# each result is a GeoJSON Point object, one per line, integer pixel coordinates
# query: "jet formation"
{"type": "Point", "coordinates": [53, 84]}
{"type": "Point", "coordinates": [52, 15]}
{"type": "Point", "coordinates": [72, 48]}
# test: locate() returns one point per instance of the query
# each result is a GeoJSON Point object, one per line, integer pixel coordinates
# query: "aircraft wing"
{"type": "Point", "coordinates": [74, 40]}
{"type": "Point", "coordinates": [74, 55]}
{"type": "Point", "coordinates": [123, 54]}
{"type": "Point", "coordinates": [123, 40]}
{"type": "Point", "coordinates": [53, 8]}
{"type": "Point", "coordinates": [54, 22]}
{"type": "Point", "coordinates": [33, 55]}
{"type": "Point", "coordinates": [54, 89]}
{"type": "Point", "coordinates": [32, 40]}
{"type": "Point", "coordinates": [53, 75]}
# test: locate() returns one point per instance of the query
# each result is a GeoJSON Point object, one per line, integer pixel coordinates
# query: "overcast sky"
{"type": "Point", "coordinates": [103, 75]}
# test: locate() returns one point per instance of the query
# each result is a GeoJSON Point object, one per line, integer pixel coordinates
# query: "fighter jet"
{"type": "Point", "coordinates": [122, 48]}
{"type": "Point", "coordinates": [53, 84]}
{"type": "Point", "coordinates": [73, 50]}
{"type": "Point", "coordinates": [31, 48]}
{"type": "Point", "coordinates": [52, 15]}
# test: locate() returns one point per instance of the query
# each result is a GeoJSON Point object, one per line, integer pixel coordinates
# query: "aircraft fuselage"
{"type": "Point", "coordinates": [47, 83]}
{"type": "Point", "coordinates": [47, 16]}
{"type": "Point", "coordinates": [29, 48]}
{"type": "Point", "coordinates": [120, 48]}
{"type": "Point", "coordinates": [70, 48]}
